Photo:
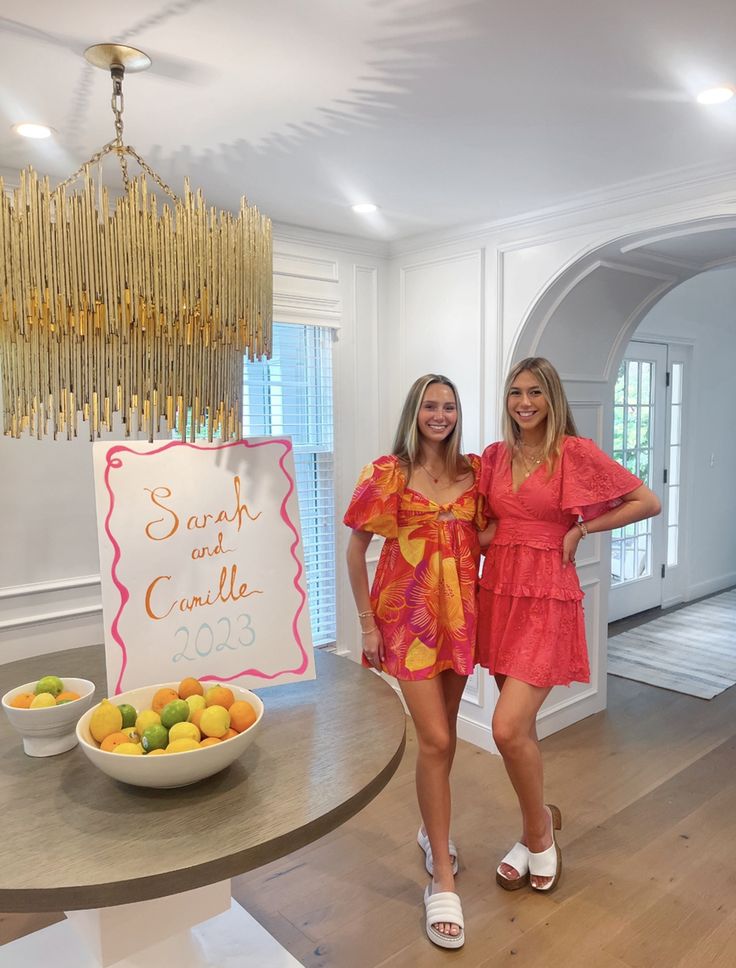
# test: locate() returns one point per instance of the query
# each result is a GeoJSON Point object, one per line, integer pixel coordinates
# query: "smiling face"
{"type": "Point", "coordinates": [438, 413]}
{"type": "Point", "coordinates": [526, 402]}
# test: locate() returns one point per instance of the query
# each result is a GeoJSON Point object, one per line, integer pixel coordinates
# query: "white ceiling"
{"type": "Point", "coordinates": [440, 111]}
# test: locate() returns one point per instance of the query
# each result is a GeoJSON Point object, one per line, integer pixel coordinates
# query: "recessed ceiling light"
{"type": "Point", "coordinates": [27, 129]}
{"type": "Point", "coordinates": [716, 95]}
{"type": "Point", "coordinates": [365, 208]}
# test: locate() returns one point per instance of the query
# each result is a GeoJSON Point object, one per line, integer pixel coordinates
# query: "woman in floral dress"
{"type": "Point", "coordinates": [546, 488]}
{"type": "Point", "coordinates": [419, 618]}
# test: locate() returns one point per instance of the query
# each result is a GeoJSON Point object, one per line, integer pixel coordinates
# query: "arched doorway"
{"type": "Point", "coordinates": [583, 321]}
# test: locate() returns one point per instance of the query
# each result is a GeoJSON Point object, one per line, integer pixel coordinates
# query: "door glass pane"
{"type": "Point", "coordinates": [633, 415]}
{"type": "Point", "coordinates": [676, 379]}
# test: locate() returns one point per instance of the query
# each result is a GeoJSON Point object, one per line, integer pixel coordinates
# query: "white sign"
{"type": "Point", "coordinates": [201, 563]}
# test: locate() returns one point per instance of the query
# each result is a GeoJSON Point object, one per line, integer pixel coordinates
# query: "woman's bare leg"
{"type": "Point", "coordinates": [428, 706]}
{"type": "Point", "coordinates": [515, 735]}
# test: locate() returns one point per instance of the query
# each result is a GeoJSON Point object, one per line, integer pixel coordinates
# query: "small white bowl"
{"type": "Point", "coordinates": [171, 769]}
{"type": "Point", "coordinates": [50, 729]}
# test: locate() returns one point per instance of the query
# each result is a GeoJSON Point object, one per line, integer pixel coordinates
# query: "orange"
{"type": "Point", "coordinates": [229, 734]}
{"type": "Point", "coordinates": [162, 698]}
{"type": "Point", "coordinates": [210, 741]}
{"type": "Point", "coordinates": [220, 696]}
{"type": "Point", "coordinates": [190, 687]}
{"type": "Point", "coordinates": [242, 715]}
{"type": "Point", "coordinates": [66, 697]}
{"type": "Point", "coordinates": [114, 739]}
{"type": "Point", "coordinates": [195, 718]}
{"type": "Point", "coordinates": [22, 701]}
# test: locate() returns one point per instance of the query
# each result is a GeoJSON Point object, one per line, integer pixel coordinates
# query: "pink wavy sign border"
{"type": "Point", "coordinates": [113, 462]}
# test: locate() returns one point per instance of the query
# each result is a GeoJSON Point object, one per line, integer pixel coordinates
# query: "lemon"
{"type": "Point", "coordinates": [129, 749]}
{"type": "Point", "coordinates": [145, 719]}
{"type": "Point", "coordinates": [52, 684]}
{"type": "Point", "coordinates": [132, 733]}
{"type": "Point", "coordinates": [195, 703]}
{"type": "Point", "coordinates": [176, 711]}
{"type": "Point", "coordinates": [155, 752]}
{"type": "Point", "coordinates": [106, 719]}
{"type": "Point", "coordinates": [43, 699]}
{"type": "Point", "coordinates": [184, 731]}
{"type": "Point", "coordinates": [155, 737]}
{"type": "Point", "coordinates": [182, 745]}
{"type": "Point", "coordinates": [215, 721]}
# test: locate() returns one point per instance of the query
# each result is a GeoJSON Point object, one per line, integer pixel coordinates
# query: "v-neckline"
{"type": "Point", "coordinates": [528, 477]}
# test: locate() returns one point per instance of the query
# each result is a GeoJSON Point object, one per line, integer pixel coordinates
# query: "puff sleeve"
{"type": "Point", "coordinates": [592, 482]}
{"type": "Point", "coordinates": [374, 505]}
{"type": "Point", "coordinates": [481, 513]}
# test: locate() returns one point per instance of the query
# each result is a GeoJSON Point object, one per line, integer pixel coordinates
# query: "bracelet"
{"type": "Point", "coordinates": [368, 631]}
{"type": "Point", "coordinates": [365, 614]}
{"type": "Point", "coordinates": [583, 528]}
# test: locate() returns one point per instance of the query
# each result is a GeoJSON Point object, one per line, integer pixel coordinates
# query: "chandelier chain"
{"type": "Point", "coordinates": [121, 150]}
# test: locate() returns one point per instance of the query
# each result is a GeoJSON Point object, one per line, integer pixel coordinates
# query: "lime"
{"type": "Point", "coordinates": [43, 699]}
{"type": "Point", "coordinates": [129, 714]}
{"type": "Point", "coordinates": [184, 731]}
{"type": "Point", "coordinates": [52, 684]}
{"type": "Point", "coordinates": [215, 721]}
{"type": "Point", "coordinates": [195, 703]}
{"type": "Point", "coordinates": [176, 711]}
{"type": "Point", "coordinates": [156, 737]}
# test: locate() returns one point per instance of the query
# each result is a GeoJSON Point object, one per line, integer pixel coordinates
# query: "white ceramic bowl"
{"type": "Point", "coordinates": [51, 729]}
{"type": "Point", "coordinates": [172, 769]}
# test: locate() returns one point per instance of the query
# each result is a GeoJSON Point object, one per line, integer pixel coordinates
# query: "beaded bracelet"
{"type": "Point", "coordinates": [583, 528]}
{"type": "Point", "coordinates": [365, 614]}
{"type": "Point", "coordinates": [368, 631]}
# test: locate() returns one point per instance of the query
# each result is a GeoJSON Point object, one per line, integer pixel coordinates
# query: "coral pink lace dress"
{"type": "Point", "coordinates": [530, 614]}
{"type": "Point", "coordinates": [424, 591]}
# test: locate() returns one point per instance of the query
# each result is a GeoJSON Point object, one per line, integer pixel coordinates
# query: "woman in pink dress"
{"type": "Point", "coordinates": [419, 619]}
{"type": "Point", "coordinates": [547, 489]}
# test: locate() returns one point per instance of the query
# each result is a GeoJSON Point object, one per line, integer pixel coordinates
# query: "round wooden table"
{"type": "Point", "coordinates": [76, 839]}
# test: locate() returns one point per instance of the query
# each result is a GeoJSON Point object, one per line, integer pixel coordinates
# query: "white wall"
{"type": "Point", "coordinates": [49, 566]}
{"type": "Point", "coordinates": [702, 311]}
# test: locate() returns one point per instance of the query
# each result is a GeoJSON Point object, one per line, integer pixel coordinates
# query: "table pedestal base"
{"type": "Point", "coordinates": [152, 934]}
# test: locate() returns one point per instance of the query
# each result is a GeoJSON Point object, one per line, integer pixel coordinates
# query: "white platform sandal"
{"type": "Point", "coordinates": [518, 858]}
{"type": "Point", "coordinates": [444, 908]}
{"type": "Point", "coordinates": [548, 863]}
{"type": "Point", "coordinates": [423, 841]}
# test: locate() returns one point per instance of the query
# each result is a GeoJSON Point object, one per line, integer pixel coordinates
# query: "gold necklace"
{"type": "Point", "coordinates": [536, 461]}
{"type": "Point", "coordinates": [430, 474]}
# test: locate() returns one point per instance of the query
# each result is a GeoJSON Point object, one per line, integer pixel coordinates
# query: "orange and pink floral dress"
{"type": "Point", "coordinates": [530, 614]}
{"type": "Point", "coordinates": [424, 591]}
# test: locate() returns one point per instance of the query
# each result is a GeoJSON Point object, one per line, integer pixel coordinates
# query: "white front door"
{"type": "Point", "coordinates": [639, 551]}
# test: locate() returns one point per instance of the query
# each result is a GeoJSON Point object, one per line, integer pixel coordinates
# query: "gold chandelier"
{"type": "Point", "coordinates": [112, 306]}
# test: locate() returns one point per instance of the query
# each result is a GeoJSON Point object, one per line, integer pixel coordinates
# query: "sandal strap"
{"type": "Point", "coordinates": [543, 864]}
{"type": "Point", "coordinates": [443, 907]}
{"type": "Point", "coordinates": [518, 858]}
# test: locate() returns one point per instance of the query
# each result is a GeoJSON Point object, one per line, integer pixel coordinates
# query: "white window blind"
{"type": "Point", "coordinates": [292, 394]}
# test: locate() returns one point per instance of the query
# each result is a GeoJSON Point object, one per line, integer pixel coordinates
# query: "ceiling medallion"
{"type": "Point", "coordinates": [116, 305]}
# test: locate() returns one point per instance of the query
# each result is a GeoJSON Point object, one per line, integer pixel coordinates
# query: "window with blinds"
{"type": "Point", "coordinates": [292, 394]}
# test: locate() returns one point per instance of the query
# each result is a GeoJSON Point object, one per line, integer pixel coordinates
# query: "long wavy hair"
{"type": "Point", "coordinates": [407, 442]}
{"type": "Point", "coordinates": [560, 422]}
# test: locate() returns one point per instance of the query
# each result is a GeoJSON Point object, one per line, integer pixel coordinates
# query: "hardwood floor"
{"type": "Point", "coordinates": [648, 794]}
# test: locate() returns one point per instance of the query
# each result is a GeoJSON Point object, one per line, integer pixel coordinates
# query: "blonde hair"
{"type": "Point", "coordinates": [406, 441]}
{"type": "Point", "coordinates": [560, 421]}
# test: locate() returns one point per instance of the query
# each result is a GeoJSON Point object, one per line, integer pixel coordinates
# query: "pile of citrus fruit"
{"type": "Point", "coordinates": [178, 720]}
{"type": "Point", "coordinates": [49, 691]}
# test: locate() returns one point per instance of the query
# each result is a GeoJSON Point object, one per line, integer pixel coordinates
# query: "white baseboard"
{"type": "Point", "coordinates": [479, 734]}
{"type": "Point", "coordinates": [710, 586]}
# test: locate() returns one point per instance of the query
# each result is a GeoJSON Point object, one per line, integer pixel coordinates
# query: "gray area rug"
{"type": "Point", "coordinates": [692, 650]}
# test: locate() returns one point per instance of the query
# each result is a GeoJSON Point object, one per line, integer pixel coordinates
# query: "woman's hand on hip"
{"type": "Point", "coordinates": [373, 648]}
{"type": "Point", "coordinates": [570, 545]}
